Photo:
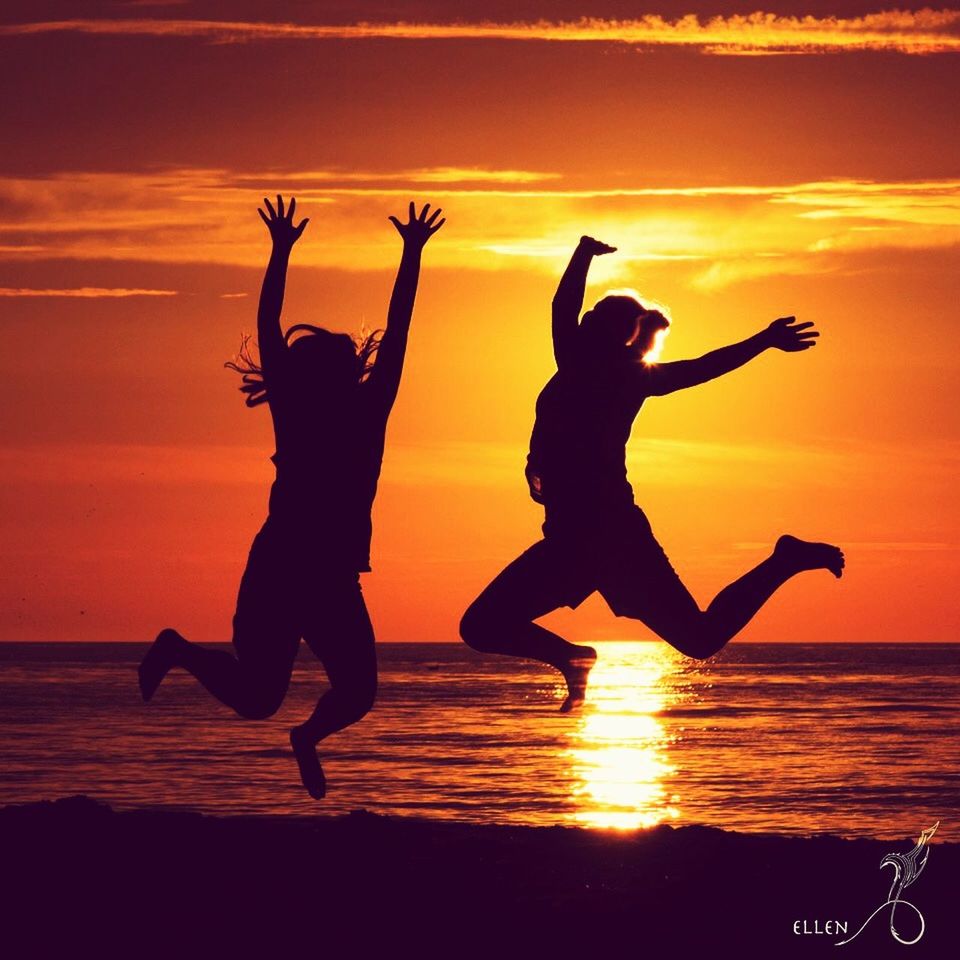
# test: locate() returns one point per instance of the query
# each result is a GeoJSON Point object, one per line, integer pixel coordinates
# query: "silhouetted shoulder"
{"type": "Point", "coordinates": [646, 378]}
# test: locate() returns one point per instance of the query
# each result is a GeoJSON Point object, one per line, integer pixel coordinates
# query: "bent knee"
{"type": "Point", "coordinates": [261, 704]}
{"type": "Point", "coordinates": [695, 639]}
{"type": "Point", "coordinates": [695, 651]}
{"type": "Point", "coordinates": [481, 627]}
{"type": "Point", "coordinates": [472, 630]}
{"type": "Point", "coordinates": [258, 710]}
{"type": "Point", "coordinates": [484, 626]}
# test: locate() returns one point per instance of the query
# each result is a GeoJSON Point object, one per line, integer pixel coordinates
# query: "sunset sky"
{"type": "Point", "coordinates": [803, 160]}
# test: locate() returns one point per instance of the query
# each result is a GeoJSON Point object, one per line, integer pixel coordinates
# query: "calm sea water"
{"type": "Point", "coordinates": [850, 739]}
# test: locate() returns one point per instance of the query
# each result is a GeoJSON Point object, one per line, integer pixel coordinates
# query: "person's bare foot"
{"type": "Point", "coordinates": [157, 663]}
{"type": "Point", "coordinates": [575, 672]}
{"type": "Point", "coordinates": [311, 773]}
{"type": "Point", "coordinates": [807, 555]}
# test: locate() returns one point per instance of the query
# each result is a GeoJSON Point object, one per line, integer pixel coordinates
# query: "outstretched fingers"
{"type": "Point", "coordinates": [279, 221]}
{"type": "Point", "coordinates": [804, 340]}
{"type": "Point", "coordinates": [432, 223]}
{"type": "Point", "coordinates": [786, 333]}
{"type": "Point", "coordinates": [420, 225]}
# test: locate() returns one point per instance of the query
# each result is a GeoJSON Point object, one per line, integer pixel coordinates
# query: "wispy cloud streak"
{"type": "Point", "coordinates": [718, 234]}
{"type": "Point", "coordinates": [923, 31]}
{"type": "Point", "coordinates": [84, 292]}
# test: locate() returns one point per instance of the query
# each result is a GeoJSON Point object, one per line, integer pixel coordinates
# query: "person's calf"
{"type": "Point", "coordinates": [576, 672]}
{"type": "Point", "coordinates": [355, 707]}
{"type": "Point", "coordinates": [336, 710]}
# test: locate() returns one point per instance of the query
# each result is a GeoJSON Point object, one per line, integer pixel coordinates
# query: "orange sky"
{"type": "Point", "coordinates": [820, 179]}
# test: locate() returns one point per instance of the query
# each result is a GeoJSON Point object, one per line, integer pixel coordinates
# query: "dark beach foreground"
{"type": "Point", "coordinates": [82, 879]}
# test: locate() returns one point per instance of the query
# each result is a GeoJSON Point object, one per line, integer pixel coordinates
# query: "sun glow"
{"type": "Point", "coordinates": [618, 752]}
{"type": "Point", "coordinates": [653, 354]}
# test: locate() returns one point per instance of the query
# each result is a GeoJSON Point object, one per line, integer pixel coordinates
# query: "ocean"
{"type": "Point", "coordinates": [855, 740]}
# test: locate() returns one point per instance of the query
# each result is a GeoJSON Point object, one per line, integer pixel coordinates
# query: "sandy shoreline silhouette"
{"type": "Point", "coordinates": [186, 884]}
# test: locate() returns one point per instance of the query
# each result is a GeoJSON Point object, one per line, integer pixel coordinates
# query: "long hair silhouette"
{"type": "Point", "coordinates": [363, 348]}
{"type": "Point", "coordinates": [329, 395]}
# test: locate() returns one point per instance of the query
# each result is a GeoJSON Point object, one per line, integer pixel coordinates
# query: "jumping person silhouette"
{"type": "Point", "coordinates": [595, 537]}
{"type": "Point", "coordinates": [330, 403]}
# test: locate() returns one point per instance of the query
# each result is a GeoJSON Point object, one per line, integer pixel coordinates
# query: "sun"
{"type": "Point", "coordinates": [653, 354]}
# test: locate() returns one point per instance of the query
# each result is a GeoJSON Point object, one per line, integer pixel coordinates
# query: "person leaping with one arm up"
{"type": "Point", "coordinates": [596, 538]}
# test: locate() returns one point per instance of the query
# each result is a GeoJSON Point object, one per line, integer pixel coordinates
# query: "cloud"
{"type": "Point", "coordinates": [903, 31]}
{"type": "Point", "coordinates": [424, 175]}
{"type": "Point", "coordinates": [709, 237]}
{"type": "Point", "coordinates": [723, 272]}
{"type": "Point", "coordinates": [85, 292]}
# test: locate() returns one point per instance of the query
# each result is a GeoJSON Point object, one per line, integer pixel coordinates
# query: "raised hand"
{"type": "Point", "coordinates": [280, 223]}
{"type": "Point", "coordinates": [786, 334]}
{"type": "Point", "coordinates": [596, 248]}
{"type": "Point", "coordinates": [419, 228]}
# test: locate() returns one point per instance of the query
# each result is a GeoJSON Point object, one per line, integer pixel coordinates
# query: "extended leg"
{"type": "Point", "coordinates": [501, 619]}
{"type": "Point", "coordinates": [254, 691]}
{"type": "Point", "coordinates": [344, 642]}
{"type": "Point", "coordinates": [217, 670]}
{"type": "Point", "coordinates": [266, 635]}
{"type": "Point", "coordinates": [736, 604]}
{"type": "Point", "coordinates": [659, 598]}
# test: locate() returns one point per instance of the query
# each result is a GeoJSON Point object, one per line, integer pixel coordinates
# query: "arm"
{"type": "Point", "coordinates": [783, 334]}
{"type": "Point", "coordinates": [384, 379]}
{"type": "Point", "coordinates": [284, 234]}
{"type": "Point", "coordinates": [568, 300]}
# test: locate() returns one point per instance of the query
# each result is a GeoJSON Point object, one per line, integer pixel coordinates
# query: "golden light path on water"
{"type": "Point", "coordinates": [618, 752]}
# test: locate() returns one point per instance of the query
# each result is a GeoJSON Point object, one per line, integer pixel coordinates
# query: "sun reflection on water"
{"type": "Point", "coordinates": [618, 751]}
